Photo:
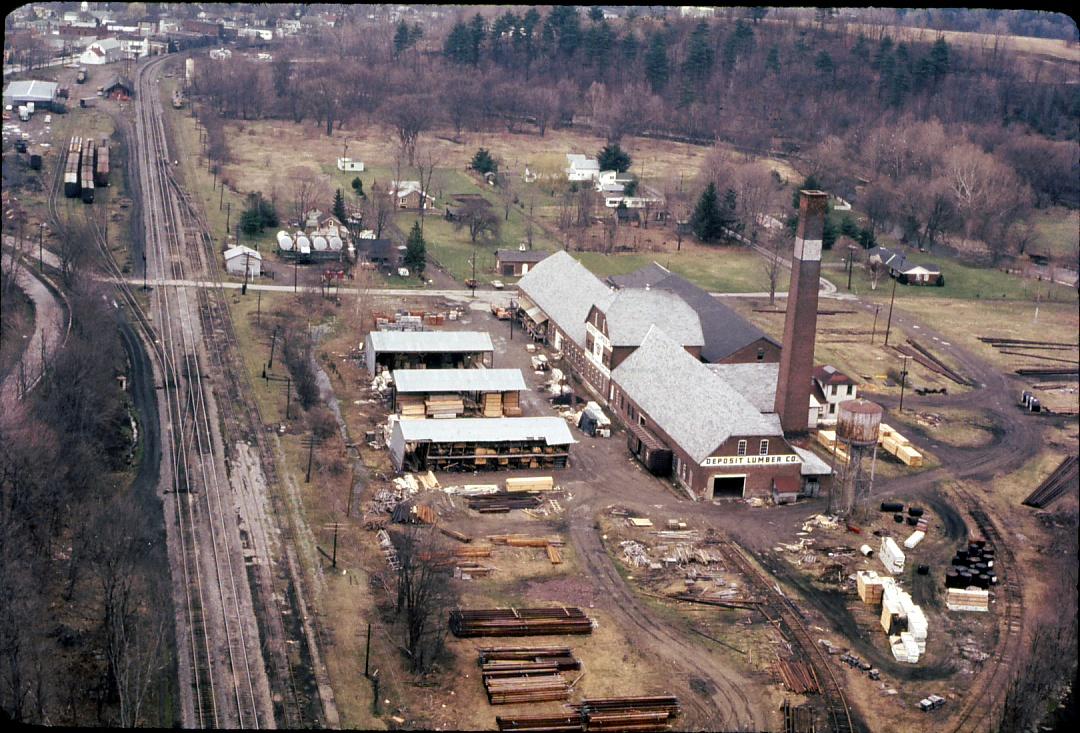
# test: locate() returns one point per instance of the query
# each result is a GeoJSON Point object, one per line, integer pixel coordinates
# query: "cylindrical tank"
{"type": "Point", "coordinates": [867, 550]}
{"type": "Point", "coordinates": [284, 241]}
{"type": "Point", "coordinates": [319, 243]}
{"type": "Point", "coordinates": [857, 422]}
{"type": "Point", "coordinates": [335, 243]}
{"type": "Point", "coordinates": [303, 243]}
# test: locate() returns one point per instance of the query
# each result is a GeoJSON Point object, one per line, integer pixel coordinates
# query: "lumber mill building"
{"type": "Point", "coordinates": [476, 443]}
{"type": "Point", "coordinates": [421, 393]}
{"type": "Point", "coordinates": [708, 400]}
{"type": "Point", "coordinates": [427, 350]}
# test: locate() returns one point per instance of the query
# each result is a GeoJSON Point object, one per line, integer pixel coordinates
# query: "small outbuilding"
{"type": "Point", "coordinates": [119, 87]}
{"type": "Point", "coordinates": [427, 350]}
{"type": "Point", "coordinates": [41, 93]}
{"type": "Point", "coordinates": [474, 443]}
{"type": "Point", "coordinates": [516, 263]}
{"type": "Point", "coordinates": [243, 261]}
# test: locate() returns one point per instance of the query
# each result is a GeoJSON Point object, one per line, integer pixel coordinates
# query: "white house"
{"type": "Point", "coordinates": [409, 195]}
{"type": "Point", "coordinates": [830, 388]}
{"type": "Point", "coordinates": [581, 168]}
{"type": "Point", "coordinates": [264, 34]}
{"type": "Point", "coordinates": [348, 164]}
{"type": "Point", "coordinates": [220, 54]}
{"type": "Point", "coordinates": [105, 51]}
{"type": "Point", "coordinates": [241, 261]}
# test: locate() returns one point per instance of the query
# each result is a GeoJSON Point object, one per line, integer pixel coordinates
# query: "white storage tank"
{"type": "Point", "coordinates": [303, 244]}
{"type": "Point", "coordinates": [285, 242]}
{"type": "Point", "coordinates": [335, 243]}
{"type": "Point", "coordinates": [319, 243]}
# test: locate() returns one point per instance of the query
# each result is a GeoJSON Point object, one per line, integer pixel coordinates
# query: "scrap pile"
{"type": "Point", "coordinates": [550, 545]}
{"type": "Point", "coordinates": [519, 622]}
{"type": "Point", "coordinates": [408, 512]}
{"type": "Point", "coordinates": [386, 545]}
{"type": "Point", "coordinates": [635, 554]}
{"type": "Point", "coordinates": [526, 674]}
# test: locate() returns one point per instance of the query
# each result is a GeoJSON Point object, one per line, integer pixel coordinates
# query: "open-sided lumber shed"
{"type": "Point", "coordinates": [474, 443]}
{"type": "Point", "coordinates": [427, 350]}
{"type": "Point", "coordinates": [420, 393]}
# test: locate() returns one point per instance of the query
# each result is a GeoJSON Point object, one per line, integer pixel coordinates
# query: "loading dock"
{"type": "Point", "coordinates": [476, 443]}
{"type": "Point", "coordinates": [727, 487]}
{"type": "Point", "coordinates": [427, 350]}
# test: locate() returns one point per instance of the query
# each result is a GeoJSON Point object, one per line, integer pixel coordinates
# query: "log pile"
{"type": "Point", "coordinates": [519, 622]}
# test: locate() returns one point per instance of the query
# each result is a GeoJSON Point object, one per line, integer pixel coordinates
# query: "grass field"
{"type": "Point", "coordinates": [1059, 231]}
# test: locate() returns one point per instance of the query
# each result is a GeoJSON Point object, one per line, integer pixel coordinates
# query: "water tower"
{"type": "Point", "coordinates": [854, 455]}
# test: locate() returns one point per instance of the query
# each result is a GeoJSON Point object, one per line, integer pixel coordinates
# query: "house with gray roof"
{"type": "Point", "coordinates": [904, 270]}
{"type": "Point", "coordinates": [722, 444]}
{"type": "Point", "coordinates": [729, 338]}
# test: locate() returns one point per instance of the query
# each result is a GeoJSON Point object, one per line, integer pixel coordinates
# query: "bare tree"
{"type": "Point", "coordinates": [478, 217]}
{"type": "Point", "coordinates": [410, 114]}
{"type": "Point", "coordinates": [876, 268]}
{"type": "Point", "coordinates": [776, 243]}
{"type": "Point", "coordinates": [308, 190]}
{"type": "Point", "coordinates": [424, 593]}
{"type": "Point", "coordinates": [379, 209]}
{"type": "Point", "coordinates": [426, 161]}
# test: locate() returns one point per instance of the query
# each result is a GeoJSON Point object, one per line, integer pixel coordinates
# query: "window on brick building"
{"type": "Point", "coordinates": [763, 448]}
{"type": "Point", "coordinates": [741, 449]}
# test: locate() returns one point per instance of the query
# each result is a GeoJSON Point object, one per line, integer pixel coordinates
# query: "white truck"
{"type": "Point", "coordinates": [24, 112]}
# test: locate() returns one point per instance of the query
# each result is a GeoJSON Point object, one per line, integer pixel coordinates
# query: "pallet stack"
{"type": "Point", "coordinates": [491, 404]}
{"type": "Point", "coordinates": [411, 407]}
{"type": "Point", "coordinates": [511, 407]}
{"type": "Point", "coordinates": [444, 406]}
{"type": "Point", "coordinates": [519, 622]}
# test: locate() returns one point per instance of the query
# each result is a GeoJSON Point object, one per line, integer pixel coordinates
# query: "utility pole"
{"type": "Point", "coordinates": [145, 286]}
{"type": "Point", "coordinates": [367, 652]}
{"type": "Point", "coordinates": [221, 196]}
{"type": "Point", "coordinates": [258, 307]}
{"type": "Point", "coordinates": [294, 276]}
{"type": "Point", "coordinates": [273, 342]}
{"type": "Point", "coordinates": [888, 325]}
{"type": "Point", "coordinates": [228, 216]}
{"type": "Point", "coordinates": [903, 381]}
{"type": "Point", "coordinates": [41, 248]}
{"type": "Point", "coordinates": [877, 310]}
{"type": "Point", "coordinates": [311, 455]}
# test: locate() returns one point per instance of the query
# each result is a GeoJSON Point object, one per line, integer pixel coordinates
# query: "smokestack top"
{"type": "Point", "coordinates": [811, 229]}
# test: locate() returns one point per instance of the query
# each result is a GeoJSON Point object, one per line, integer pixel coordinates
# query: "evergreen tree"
{"type": "Point", "coordinates": [772, 60]}
{"type": "Point", "coordinates": [739, 44]}
{"type": "Point", "coordinates": [656, 63]}
{"type": "Point", "coordinates": [699, 54]}
{"type": "Point", "coordinates": [829, 232]}
{"type": "Point", "coordinates": [939, 58]}
{"type": "Point", "coordinates": [884, 51]}
{"type": "Point", "coordinates": [599, 40]}
{"type": "Point", "coordinates": [339, 207]}
{"type": "Point", "coordinates": [861, 50]}
{"type": "Point", "coordinates": [415, 34]}
{"type": "Point", "coordinates": [562, 30]}
{"type": "Point", "coordinates": [613, 158]}
{"type": "Point", "coordinates": [810, 184]}
{"type": "Point", "coordinates": [824, 63]}
{"type": "Point", "coordinates": [707, 220]}
{"type": "Point", "coordinates": [483, 162]}
{"type": "Point", "coordinates": [629, 46]}
{"type": "Point", "coordinates": [848, 227]}
{"type": "Point", "coordinates": [596, 14]}
{"type": "Point", "coordinates": [416, 251]}
{"type": "Point", "coordinates": [401, 38]}
{"type": "Point", "coordinates": [476, 38]}
{"type": "Point", "coordinates": [457, 44]}
{"type": "Point", "coordinates": [358, 187]}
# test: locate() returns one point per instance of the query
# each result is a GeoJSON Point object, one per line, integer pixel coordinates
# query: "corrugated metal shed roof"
{"type": "Point", "coordinates": [430, 342]}
{"type": "Point", "coordinates": [553, 430]}
{"type": "Point", "coordinates": [811, 464]}
{"type": "Point", "coordinates": [756, 382]}
{"type": "Point", "coordinates": [686, 399]}
{"type": "Point", "coordinates": [458, 380]}
{"type": "Point", "coordinates": [31, 91]}
{"type": "Point", "coordinates": [630, 313]}
{"type": "Point", "coordinates": [565, 291]}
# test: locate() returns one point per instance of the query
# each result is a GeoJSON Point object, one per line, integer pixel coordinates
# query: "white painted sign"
{"type": "Point", "coordinates": [750, 460]}
{"type": "Point", "coordinates": [807, 249]}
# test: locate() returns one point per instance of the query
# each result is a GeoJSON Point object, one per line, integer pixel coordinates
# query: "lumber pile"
{"type": "Point", "coordinates": [606, 714]}
{"type": "Point", "coordinates": [526, 674]}
{"type": "Point", "coordinates": [538, 688]}
{"type": "Point", "coordinates": [871, 587]}
{"type": "Point", "coordinates": [561, 658]}
{"type": "Point", "coordinates": [541, 723]}
{"type": "Point", "coordinates": [1056, 484]}
{"type": "Point", "coordinates": [554, 556]}
{"type": "Point", "coordinates": [511, 406]}
{"type": "Point", "coordinates": [491, 404]}
{"type": "Point", "coordinates": [967, 599]}
{"type": "Point", "coordinates": [828, 439]}
{"type": "Point", "coordinates": [519, 622]}
{"type": "Point", "coordinates": [470, 570]}
{"type": "Point", "coordinates": [411, 407]}
{"type": "Point", "coordinates": [472, 551]}
{"type": "Point", "coordinates": [454, 534]}
{"type": "Point", "coordinates": [530, 483]}
{"type": "Point", "coordinates": [797, 677]}
{"type": "Point", "coordinates": [408, 513]}
{"type": "Point", "coordinates": [896, 444]}
{"type": "Point", "coordinates": [444, 406]}
{"type": "Point", "coordinates": [524, 540]}
{"type": "Point", "coordinates": [503, 502]}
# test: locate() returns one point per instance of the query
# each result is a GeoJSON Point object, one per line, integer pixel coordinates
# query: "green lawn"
{"type": "Point", "coordinates": [1059, 231]}
{"type": "Point", "coordinates": [722, 269]}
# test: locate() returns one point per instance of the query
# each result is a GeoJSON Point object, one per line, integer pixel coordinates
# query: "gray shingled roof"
{"type": "Point", "coordinates": [430, 342]}
{"type": "Point", "coordinates": [686, 400]}
{"type": "Point", "coordinates": [516, 255]}
{"type": "Point", "coordinates": [631, 312]}
{"type": "Point", "coordinates": [724, 330]}
{"type": "Point", "coordinates": [756, 382]}
{"type": "Point", "coordinates": [565, 291]}
{"type": "Point", "coordinates": [458, 380]}
{"type": "Point", "coordinates": [553, 430]}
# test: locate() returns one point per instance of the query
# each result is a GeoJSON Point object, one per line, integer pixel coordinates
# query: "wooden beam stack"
{"type": "Point", "coordinates": [539, 688]}
{"type": "Point", "coordinates": [411, 407]}
{"type": "Point", "coordinates": [530, 483]}
{"type": "Point", "coordinates": [623, 714]}
{"type": "Point", "coordinates": [504, 502]}
{"type": "Point", "coordinates": [519, 622]}
{"type": "Point", "coordinates": [444, 406]}
{"type": "Point", "coordinates": [511, 407]}
{"type": "Point", "coordinates": [491, 404]}
{"type": "Point", "coordinates": [571, 723]}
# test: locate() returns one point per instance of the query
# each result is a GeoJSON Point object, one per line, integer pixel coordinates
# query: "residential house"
{"type": "Point", "coordinates": [904, 270]}
{"type": "Point", "coordinates": [409, 195]}
{"type": "Point", "coordinates": [383, 253]}
{"type": "Point", "coordinates": [220, 54]}
{"type": "Point", "coordinates": [831, 387]}
{"type": "Point", "coordinates": [581, 168]}
{"type": "Point", "coordinates": [105, 51]}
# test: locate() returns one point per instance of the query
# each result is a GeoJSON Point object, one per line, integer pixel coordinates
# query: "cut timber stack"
{"type": "Point", "coordinates": [491, 404]}
{"type": "Point", "coordinates": [521, 657]}
{"type": "Point", "coordinates": [967, 599]}
{"type": "Point", "coordinates": [630, 713]}
{"type": "Point", "coordinates": [510, 405]}
{"type": "Point", "coordinates": [541, 688]}
{"type": "Point", "coordinates": [871, 587]}
{"type": "Point", "coordinates": [896, 444]}
{"type": "Point", "coordinates": [542, 723]}
{"type": "Point", "coordinates": [526, 674]}
{"type": "Point", "coordinates": [519, 622]}
{"type": "Point", "coordinates": [504, 502]}
{"type": "Point", "coordinates": [442, 406]}
{"type": "Point", "coordinates": [530, 483]}
{"type": "Point", "coordinates": [411, 407]}
{"type": "Point", "coordinates": [523, 540]}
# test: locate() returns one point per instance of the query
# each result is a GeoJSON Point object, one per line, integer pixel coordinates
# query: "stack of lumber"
{"type": "Point", "coordinates": [871, 587]}
{"type": "Point", "coordinates": [530, 483]}
{"type": "Point", "coordinates": [554, 555]}
{"type": "Point", "coordinates": [797, 677]}
{"type": "Point", "coordinates": [444, 406]}
{"type": "Point", "coordinates": [538, 688]}
{"type": "Point", "coordinates": [524, 540]}
{"type": "Point", "coordinates": [472, 551]}
{"type": "Point", "coordinates": [504, 502]}
{"type": "Point", "coordinates": [542, 723]}
{"type": "Point", "coordinates": [899, 446]}
{"type": "Point", "coordinates": [453, 533]}
{"type": "Point", "coordinates": [526, 658]}
{"type": "Point", "coordinates": [473, 570]}
{"type": "Point", "coordinates": [409, 513]}
{"type": "Point", "coordinates": [828, 439]}
{"type": "Point", "coordinates": [511, 407]}
{"type": "Point", "coordinates": [630, 713]}
{"type": "Point", "coordinates": [963, 599]}
{"type": "Point", "coordinates": [519, 622]}
{"type": "Point", "coordinates": [411, 407]}
{"type": "Point", "coordinates": [491, 404]}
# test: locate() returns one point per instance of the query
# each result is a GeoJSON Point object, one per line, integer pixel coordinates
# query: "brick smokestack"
{"type": "Point", "coordinates": [800, 323]}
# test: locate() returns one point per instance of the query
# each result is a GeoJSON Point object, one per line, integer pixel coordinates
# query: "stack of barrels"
{"type": "Point", "coordinates": [972, 566]}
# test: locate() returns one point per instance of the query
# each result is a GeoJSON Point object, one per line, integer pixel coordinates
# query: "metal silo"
{"type": "Point", "coordinates": [857, 427]}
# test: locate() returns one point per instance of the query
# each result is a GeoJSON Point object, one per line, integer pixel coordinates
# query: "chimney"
{"type": "Point", "coordinates": [800, 323]}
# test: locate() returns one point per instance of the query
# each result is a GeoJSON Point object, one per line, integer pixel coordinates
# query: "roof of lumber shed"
{"type": "Point", "coordinates": [430, 342]}
{"type": "Point", "coordinates": [553, 430]}
{"type": "Point", "coordinates": [458, 380]}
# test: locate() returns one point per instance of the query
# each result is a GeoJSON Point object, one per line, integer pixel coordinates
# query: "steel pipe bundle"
{"type": "Point", "coordinates": [519, 622]}
{"type": "Point", "coordinates": [504, 501]}
{"type": "Point", "coordinates": [539, 688]}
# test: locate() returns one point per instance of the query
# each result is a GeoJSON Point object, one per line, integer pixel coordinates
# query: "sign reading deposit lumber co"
{"type": "Point", "coordinates": [749, 460]}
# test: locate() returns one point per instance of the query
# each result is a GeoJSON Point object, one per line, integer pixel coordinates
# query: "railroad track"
{"type": "Point", "coordinates": [224, 662]}
{"type": "Point", "coordinates": [781, 612]}
{"type": "Point", "coordinates": [983, 703]}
